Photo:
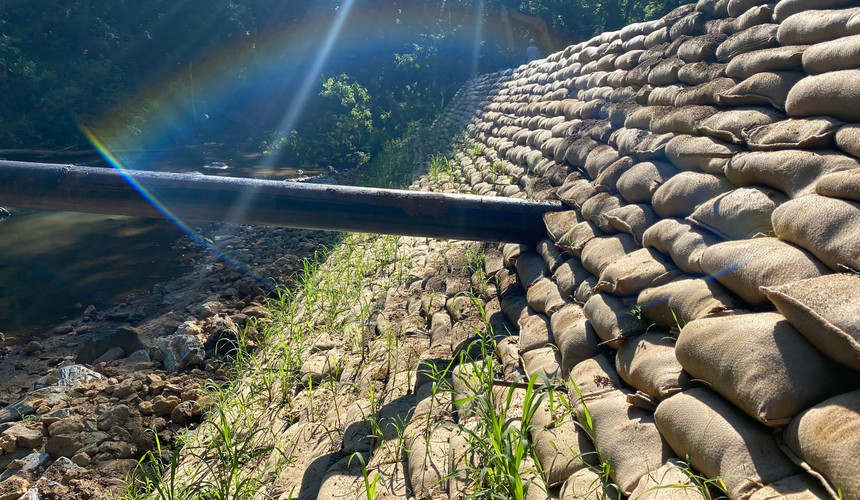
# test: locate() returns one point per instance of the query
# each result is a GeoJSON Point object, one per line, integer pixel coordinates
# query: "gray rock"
{"type": "Point", "coordinates": [64, 445]}
{"type": "Point", "coordinates": [116, 416]}
{"type": "Point", "coordinates": [72, 376]}
{"type": "Point", "coordinates": [48, 396]}
{"type": "Point", "coordinates": [112, 354]}
{"type": "Point", "coordinates": [139, 356]}
{"type": "Point", "coordinates": [181, 351]}
{"type": "Point", "coordinates": [27, 464]}
{"type": "Point", "coordinates": [125, 337]}
{"type": "Point", "coordinates": [71, 425]}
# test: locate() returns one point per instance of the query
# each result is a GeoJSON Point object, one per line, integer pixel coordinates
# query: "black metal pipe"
{"type": "Point", "coordinates": [275, 203]}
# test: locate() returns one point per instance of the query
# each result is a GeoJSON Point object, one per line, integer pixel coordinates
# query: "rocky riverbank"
{"type": "Point", "coordinates": [83, 403]}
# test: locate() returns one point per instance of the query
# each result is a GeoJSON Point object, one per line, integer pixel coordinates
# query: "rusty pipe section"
{"type": "Point", "coordinates": [189, 197]}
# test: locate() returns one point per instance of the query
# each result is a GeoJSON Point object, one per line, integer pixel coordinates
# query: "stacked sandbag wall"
{"type": "Point", "coordinates": [700, 295]}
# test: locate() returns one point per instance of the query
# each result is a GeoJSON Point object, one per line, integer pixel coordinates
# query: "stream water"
{"type": "Point", "coordinates": [55, 264]}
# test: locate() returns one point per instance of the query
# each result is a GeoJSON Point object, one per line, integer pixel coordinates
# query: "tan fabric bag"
{"type": "Point", "coordinates": [793, 172]}
{"type": "Point", "coordinates": [632, 219]}
{"type": "Point", "coordinates": [614, 319]}
{"type": "Point", "coordinates": [680, 195]}
{"type": "Point", "coordinates": [638, 184]}
{"type": "Point", "coordinates": [826, 437]}
{"type": "Point", "coordinates": [824, 310]}
{"type": "Point", "coordinates": [835, 93]}
{"type": "Point", "coordinates": [635, 272]}
{"type": "Point", "coordinates": [574, 336]}
{"type": "Point", "coordinates": [745, 265]}
{"type": "Point", "coordinates": [686, 299]}
{"type": "Point", "coordinates": [803, 133]}
{"type": "Point", "coordinates": [721, 441]}
{"type": "Point", "coordinates": [844, 185]}
{"type": "Point", "coordinates": [682, 241]}
{"type": "Point", "coordinates": [648, 363]}
{"type": "Point", "coordinates": [739, 214]}
{"type": "Point", "coordinates": [776, 59]}
{"type": "Point", "coordinates": [760, 363]}
{"type": "Point", "coordinates": [828, 227]}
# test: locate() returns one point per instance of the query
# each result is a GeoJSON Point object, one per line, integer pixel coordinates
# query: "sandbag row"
{"type": "Point", "coordinates": [702, 192]}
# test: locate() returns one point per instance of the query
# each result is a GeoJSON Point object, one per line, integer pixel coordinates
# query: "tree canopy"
{"type": "Point", "coordinates": [339, 75]}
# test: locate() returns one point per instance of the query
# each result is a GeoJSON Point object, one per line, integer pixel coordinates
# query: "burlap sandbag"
{"type": "Point", "coordinates": [568, 276]}
{"type": "Point", "coordinates": [745, 265]}
{"type": "Point", "coordinates": [826, 438]}
{"type": "Point", "coordinates": [585, 289]}
{"type": "Point", "coordinates": [682, 120]}
{"type": "Point", "coordinates": [599, 158]}
{"type": "Point", "coordinates": [682, 241]}
{"type": "Point", "coordinates": [587, 484]}
{"type": "Point", "coordinates": [802, 133]}
{"type": "Point", "coordinates": [592, 379]}
{"type": "Point", "coordinates": [739, 214]}
{"type": "Point", "coordinates": [574, 192]}
{"type": "Point", "coordinates": [701, 72]}
{"type": "Point", "coordinates": [827, 227]}
{"type": "Point", "coordinates": [786, 8]}
{"type": "Point", "coordinates": [577, 151]}
{"type": "Point", "coordinates": [729, 125]}
{"type": "Point", "coordinates": [633, 219]}
{"type": "Point", "coordinates": [760, 363]}
{"type": "Point", "coordinates": [648, 363]}
{"type": "Point", "coordinates": [545, 362]}
{"type": "Point", "coordinates": [762, 88]}
{"type": "Point", "coordinates": [665, 72]}
{"type": "Point", "coordinates": [562, 449]}
{"type": "Point", "coordinates": [736, 8]}
{"type": "Point", "coordinates": [842, 53]}
{"type": "Point", "coordinates": [680, 195]}
{"type": "Point", "coordinates": [824, 310]}
{"type": "Point", "coordinates": [721, 441]}
{"type": "Point", "coordinates": [641, 118]}
{"type": "Point", "coordinates": [515, 308]}
{"type": "Point", "coordinates": [665, 96]}
{"type": "Point", "coordinates": [752, 17]}
{"type": "Point", "coordinates": [690, 25]}
{"type": "Point", "coordinates": [626, 139]}
{"type": "Point", "coordinates": [816, 26]}
{"type": "Point", "coordinates": [574, 336]}
{"type": "Point", "coordinates": [543, 296]}
{"type": "Point", "coordinates": [627, 437]}
{"type": "Point", "coordinates": [775, 59]}
{"type": "Point", "coordinates": [705, 154]}
{"type": "Point", "coordinates": [530, 268]}
{"type": "Point", "coordinates": [610, 175]}
{"type": "Point", "coordinates": [835, 93]}
{"type": "Point", "coordinates": [595, 206]}
{"type": "Point", "coordinates": [797, 487]}
{"type": "Point", "coordinates": [848, 139]}
{"type": "Point", "coordinates": [508, 283]}
{"type": "Point", "coordinates": [614, 319]}
{"type": "Point", "coordinates": [701, 47]}
{"type": "Point", "coordinates": [845, 185]}
{"type": "Point", "coordinates": [670, 482]}
{"type": "Point", "coordinates": [601, 251]}
{"type": "Point", "coordinates": [534, 332]}
{"type": "Point", "coordinates": [575, 240]}
{"type": "Point", "coordinates": [550, 253]}
{"type": "Point", "coordinates": [635, 272]}
{"type": "Point", "coordinates": [792, 172]}
{"type": "Point", "coordinates": [686, 299]}
{"type": "Point", "coordinates": [758, 37]}
{"type": "Point", "coordinates": [705, 93]}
